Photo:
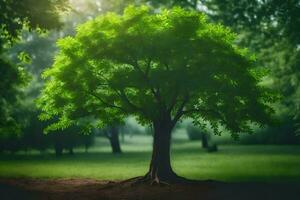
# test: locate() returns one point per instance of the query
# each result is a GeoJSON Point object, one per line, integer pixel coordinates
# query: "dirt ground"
{"type": "Point", "coordinates": [93, 189]}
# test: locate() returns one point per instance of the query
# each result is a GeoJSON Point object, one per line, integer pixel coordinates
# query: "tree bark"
{"type": "Point", "coordinates": [114, 140]}
{"type": "Point", "coordinates": [160, 170]}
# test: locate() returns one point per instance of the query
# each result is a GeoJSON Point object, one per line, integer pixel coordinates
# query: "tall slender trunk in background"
{"type": "Point", "coordinates": [113, 137]}
{"type": "Point", "coordinates": [58, 149]}
{"type": "Point", "coordinates": [86, 147]}
{"type": "Point", "coordinates": [204, 140]}
{"type": "Point", "coordinates": [71, 152]}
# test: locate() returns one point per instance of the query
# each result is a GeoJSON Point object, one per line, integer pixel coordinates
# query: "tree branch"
{"type": "Point", "coordinates": [155, 90]}
{"type": "Point", "coordinates": [119, 92]}
{"type": "Point", "coordinates": [124, 97]}
{"type": "Point", "coordinates": [180, 111]}
{"type": "Point", "coordinates": [106, 103]}
{"type": "Point", "coordinates": [173, 101]}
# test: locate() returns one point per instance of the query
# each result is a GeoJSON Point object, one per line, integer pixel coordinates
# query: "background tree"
{"type": "Point", "coordinates": [40, 50]}
{"type": "Point", "coordinates": [112, 133]}
{"type": "Point", "coordinates": [68, 139]}
{"type": "Point", "coordinates": [11, 77]}
{"type": "Point", "coordinates": [14, 16]}
{"type": "Point", "coordinates": [194, 133]}
{"type": "Point", "coordinates": [276, 19]}
{"type": "Point", "coordinates": [270, 28]}
{"type": "Point", "coordinates": [159, 68]}
{"type": "Point", "coordinates": [33, 14]}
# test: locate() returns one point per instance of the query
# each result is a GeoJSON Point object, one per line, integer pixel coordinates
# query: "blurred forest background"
{"type": "Point", "coordinates": [268, 28]}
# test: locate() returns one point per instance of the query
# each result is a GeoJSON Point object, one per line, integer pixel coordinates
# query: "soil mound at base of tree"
{"type": "Point", "coordinates": [94, 189]}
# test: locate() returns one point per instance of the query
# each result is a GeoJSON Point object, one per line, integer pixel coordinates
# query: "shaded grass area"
{"type": "Point", "coordinates": [230, 163]}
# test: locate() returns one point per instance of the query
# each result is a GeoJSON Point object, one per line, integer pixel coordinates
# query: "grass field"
{"type": "Point", "coordinates": [230, 163]}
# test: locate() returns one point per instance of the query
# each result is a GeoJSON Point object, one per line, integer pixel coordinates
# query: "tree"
{"type": "Point", "coordinates": [194, 133]}
{"type": "Point", "coordinates": [32, 14]}
{"type": "Point", "coordinates": [8, 94]}
{"type": "Point", "coordinates": [274, 18]}
{"type": "Point", "coordinates": [14, 16]}
{"type": "Point", "coordinates": [68, 139]}
{"type": "Point", "coordinates": [41, 49]}
{"type": "Point", "coordinates": [159, 68]}
{"type": "Point", "coordinates": [112, 133]}
{"type": "Point", "coordinates": [272, 28]}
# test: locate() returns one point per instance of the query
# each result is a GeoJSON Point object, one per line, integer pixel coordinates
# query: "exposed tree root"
{"type": "Point", "coordinates": [165, 180]}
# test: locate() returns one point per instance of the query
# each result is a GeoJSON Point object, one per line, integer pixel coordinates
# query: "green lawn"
{"type": "Point", "coordinates": [230, 163]}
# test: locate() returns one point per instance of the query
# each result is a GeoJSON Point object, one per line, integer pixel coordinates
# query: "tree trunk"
{"type": "Point", "coordinates": [114, 140]}
{"type": "Point", "coordinates": [58, 149]}
{"type": "Point", "coordinates": [86, 148]}
{"type": "Point", "coordinates": [160, 170]}
{"type": "Point", "coordinates": [204, 140]}
{"type": "Point", "coordinates": [71, 152]}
